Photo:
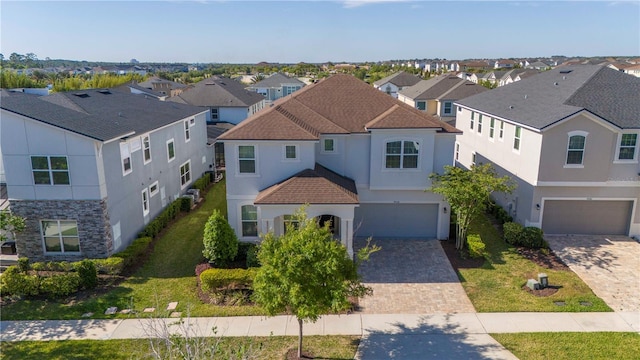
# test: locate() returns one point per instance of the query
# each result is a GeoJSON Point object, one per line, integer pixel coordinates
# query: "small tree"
{"type": "Point", "coordinates": [11, 223]}
{"type": "Point", "coordinates": [306, 272]}
{"type": "Point", "coordinates": [220, 242]}
{"type": "Point", "coordinates": [467, 192]}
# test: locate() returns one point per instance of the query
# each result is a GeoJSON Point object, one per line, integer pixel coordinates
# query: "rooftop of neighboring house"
{"type": "Point", "coordinates": [399, 79]}
{"type": "Point", "coordinates": [100, 114]}
{"type": "Point", "coordinates": [443, 87]}
{"type": "Point", "coordinates": [524, 73]}
{"type": "Point", "coordinates": [475, 64]}
{"type": "Point", "coordinates": [551, 96]}
{"type": "Point", "coordinates": [127, 88]}
{"type": "Point", "coordinates": [276, 80]}
{"type": "Point", "coordinates": [339, 104]}
{"type": "Point", "coordinates": [215, 130]}
{"type": "Point", "coordinates": [156, 80]}
{"type": "Point", "coordinates": [218, 92]}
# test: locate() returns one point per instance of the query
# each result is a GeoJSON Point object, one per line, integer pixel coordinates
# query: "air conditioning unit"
{"type": "Point", "coordinates": [195, 193]}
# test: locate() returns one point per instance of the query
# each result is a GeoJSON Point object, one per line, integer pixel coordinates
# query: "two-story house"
{"type": "Point", "coordinates": [569, 137]}
{"type": "Point", "coordinates": [89, 169]}
{"type": "Point", "coordinates": [276, 86]}
{"type": "Point", "coordinates": [360, 158]}
{"type": "Point", "coordinates": [227, 100]}
{"type": "Point", "coordinates": [437, 95]}
{"type": "Point", "coordinates": [396, 82]}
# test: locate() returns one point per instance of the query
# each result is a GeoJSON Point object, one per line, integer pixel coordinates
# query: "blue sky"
{"type": "Point", "coordinates": [316, 31]}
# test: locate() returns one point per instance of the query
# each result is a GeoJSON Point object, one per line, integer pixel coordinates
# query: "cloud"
{"type": "Point", "coordinates": [350, 4]}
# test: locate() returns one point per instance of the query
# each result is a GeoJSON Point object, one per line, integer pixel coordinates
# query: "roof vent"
{"type": "Point", "coordinates": [525, 96]}
{"type": "Point", "coordinates": [565, 71]}
{"type": "Point", "coordinates": [81, 95]}
{"type": "Point", "coordinates": [105, 91]}
{"type": "Point", "coordinates": [564, 78]}
{"type": "Point", "coordinates": [555, 83]}
{"type": "Point", "coordinates": [510, 106]}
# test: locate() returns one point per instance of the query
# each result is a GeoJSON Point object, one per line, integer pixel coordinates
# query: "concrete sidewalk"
{"type": "Point", "coordinates": [354, 324]}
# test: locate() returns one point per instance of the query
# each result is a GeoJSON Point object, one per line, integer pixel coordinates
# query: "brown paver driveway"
{"type": "Point", "coordinates": [609, 264]}
{"type": "Point", "coordinates": [411, 276]}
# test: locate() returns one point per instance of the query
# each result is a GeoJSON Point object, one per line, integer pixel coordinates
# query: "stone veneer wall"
{"type": "Point", "coordinates": [94, 230]}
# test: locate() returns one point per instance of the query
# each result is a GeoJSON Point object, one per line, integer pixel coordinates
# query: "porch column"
{"type": "Point", "coordinates": [346, 234]}
{"type": "Point", "coordinates": [267, 226]}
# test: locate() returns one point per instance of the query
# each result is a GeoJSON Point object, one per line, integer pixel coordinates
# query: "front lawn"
{"type": "Point", "coordinates": [570, 346]}
{"type": "Point", "coordinates": [496, 286]}
{"type": "Point", "coordinates": [274, 347]}
{"type": "Point", "coordinates": [168, 275]}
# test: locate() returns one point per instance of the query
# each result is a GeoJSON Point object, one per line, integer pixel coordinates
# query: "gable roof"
{"type": "Point", "coordinates": [442, 87]}
{"type": "Point", "coordinates": [544, 99]}
{"type": "Point", "coordinates": [218, 92]}
{"type": "Point", "coordinates": [99, 114]}
{"type": "Point", "coordinates": [311, 186]}
{"type": "Point", "coordinates": [400, 79]}
{"type": "Point", "coordinates": [156, 80]}
{"type": "Point", "coordinates": [276, 80]}
{"type": "Point", "coordinates": [339, 104]}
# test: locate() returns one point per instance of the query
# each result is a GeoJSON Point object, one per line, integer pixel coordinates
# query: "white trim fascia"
{"type": "Point", "coordinates": [243, 142]}
{"type": "Point", "coordinates": [242, 197]}
{"type": "Point", "coordinates": [422, 188]}
{"type": "Point", "coordinates": [588, 184]}
{"type": "Point", "coordinates": [587, 114]}
{"type": "Point", "coordinates": [413, 202]}
{"type": "Point", "coordinates": [512, 122]}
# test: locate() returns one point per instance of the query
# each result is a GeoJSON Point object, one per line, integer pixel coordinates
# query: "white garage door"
{"type": "Point", "coordinates": [586, 217]}
{"type": "Point", "coordinates": [396, 220]}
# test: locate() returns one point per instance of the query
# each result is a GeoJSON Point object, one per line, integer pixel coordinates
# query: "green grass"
{"type": "Point", "coordinates": [275, 347]}
{"type": "Point", "coordinates": [497, 285]}
{"type": "Point", "coordinates": [570, 346]}
{"type": "Point", "coordinates": [168, 275]}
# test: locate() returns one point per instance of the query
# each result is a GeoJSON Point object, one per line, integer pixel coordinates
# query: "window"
{"type": "Point", "coordinates": [473, 158]}
{"type": "Point", "coordinates": [171, 150]}
{"type": "Point", "coordinates": [421, 105]}
{"type": "Point", "coordinates": [249, 220]}
{"type": "Point", "coordinates": [447, 108]}
{"type": "Point", "coordinates": [125, 156]}
{"type": "Point", "coordinates": [50, 170]}
{"type": "Point", "coordinates": [288, 90]}
{"type": "Point", "coordinates": [291, 152]}
{"type": "Point", "coordinates": [146, 149]}
{"type": "Point", "coordinates": [60, 236]}
{"type": "Point", "coordinates": [145, 202]}
{"type": "Point", "coordinates": [247, 159]}
{"type": "Point", "coordinates": [492, 126]}
{"type": "Point", "coordinates": [401, 155]}
{"type": "Point", "coordinates": [187, 132]}
{"type": "Point", "coordinates": [185, 174]}
{"type": "Point", "coordinates": [516, 139]}
{"type": "Point", "coordinates": [328, 145]}
{"type": "Point", "coordinates": [214, 114]}
{"type": "Point", "coordinates": [480, 124]}
{"type": "Point", "coordinates": [457, 151]}
{"type": "Point", "coordinates": [388, 90]}
{"type": "Point", "coordinates": [501, 132]}
{"type": "Point", "coordinates": [192, 122]}
{"type": "Point", "coordinates": [627, 149]}
{"type": "Point", "coordinates": [472, 118]}
{"type": "Point", "coordinates": [575, 149]}
{"type": "Point", "coordinates": [153, 188]}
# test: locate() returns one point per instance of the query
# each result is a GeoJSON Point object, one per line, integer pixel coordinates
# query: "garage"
{"type": "Point", "coordinates": [396, 220]}
{"type": "Point", "coordinates": [596, 217]}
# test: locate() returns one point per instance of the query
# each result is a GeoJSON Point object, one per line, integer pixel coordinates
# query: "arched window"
{"type": "Point", "coordinates": [575, 148]}
{"type": "Point", "coordinates": [249, 220]}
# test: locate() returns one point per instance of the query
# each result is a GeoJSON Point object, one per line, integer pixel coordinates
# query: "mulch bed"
{"type": "Point", "coordinates": [548, 291]}
{"type": "Point", "coordinates": [292, 354]}
{"type": "Point", "coordinates": [456, 259]}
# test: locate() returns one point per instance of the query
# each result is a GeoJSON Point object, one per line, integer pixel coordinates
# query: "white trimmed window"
{"type": "Point", "coordinates": [192, 122]}
{"type": "Point", "coordinates": [473, 114]}
{"type": "Point", "coordinates": [185, 174]}
{"type": "Point", "coordinates": [249, 218]}
{"type": "Point", "coordinates": [457, 151]}
{"type": "Point", "coordinates": [125, 157]}
{"type": "Point", "coordinates": [146, 149]}
{"type": "Point", "coordinates": [421, 105]}
{"type": "Point", "coordinates": [60, 236]}
{"type": "Point", "coordinates": [401, 154]}
{"type": "Point", "coordinates": [447, 108]}
{"type": "Point", "coordinates": [187, 131]}
{"type": "Point", "coordinates": [50, 170]}
{"type": "Point", "coordinates": [171, 150]}
{"type": "Point", "coordinates": [153, 188]}
{"type": "Point", "coordinates": [247, 159]}
{"type": "Point", "coordinates": [214, 114]}
{"type": "Point", "coordinates": [290, 152]}
{"type": "Point", "coordinates": [501, 132]}
{"type": "Point", "coordinates": [575, 147]}
{"type": "Point", "coordinates": [627, 147]}
{"type": "Point", "coordinates": [492, 128]}
{"type": "Point", "coordinates": [145, 202]}
{"type": "Point", "coordinates": [479, 124]}
{"type": "Point", "coordinates": [329, 145]}
{"type": "Point", "coordinates": [473, 158]}
{"type": "Point", "coordinates": [516, 138]}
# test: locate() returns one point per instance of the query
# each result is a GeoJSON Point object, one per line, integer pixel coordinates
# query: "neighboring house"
{"type": "Point", "coordinates": [475, 65]}
{"type": "Point", "coordinates": [359, 158]}
{"type": "Point", "coordinates": [89, 169]}
{"type": "Point", "coordinates": [162, 86]}
{"type": "Point", "coordinates": [504, 64]}
{"type": "Point", "coordinates": [227, 100]}
{"type": "Point", "coordinates": [276, 86]}
{"type": "Point", "coordinates": [396, 82]}
{"type": "Point", "coordinates": [569, 137]}
{"type": "Point", "coordinates": [538, 65]}
{"type": "Point", "coordinates": [134, 88]}
{"type": "Point", "coordinates": [437, 95]}
{"type": "Point", "coordinates": [632, 70]}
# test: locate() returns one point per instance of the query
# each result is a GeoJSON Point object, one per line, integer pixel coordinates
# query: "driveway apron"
{"type": "Point", "coordinates": [609, 264]}
{"type": "Point", "coordinates": [411, 276]}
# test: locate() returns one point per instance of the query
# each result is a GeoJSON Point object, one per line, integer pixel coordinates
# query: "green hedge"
{"type": "Point", "coordinates": [59, 285]}
{"type": "Point", "coordinates": [162, 220]}
{"type": "Point", "coordinates": [531, 237]}
{"type": "Point", "coordinates": [16, 282]}
{"type": "Point", "coordinates": [216, 279]}
{"type": "Point", "coordinates": [476, 246]}
{"type": "Point", "coordinates": [202, 183]}
{"type": "Point", "coordinates": [135, 252]}
{"type": "Point", "coordinates": [512, 233]}
{"type": "Point", "coordinates": [109, 266]}
{"type": "Point", "coordinates": [499, 213]}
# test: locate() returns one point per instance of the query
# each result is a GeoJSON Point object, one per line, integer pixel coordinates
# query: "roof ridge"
{"type": "Point", "coordinates": [460, 82]}
{"type": "Point", "coordinates": [333, 183]}
{"type": "Point", "coordinates": [381, 116]}
{"type": "Point", "coordinates": [567, 101]}
{"type": "Point", "coordinates": [308, 128]}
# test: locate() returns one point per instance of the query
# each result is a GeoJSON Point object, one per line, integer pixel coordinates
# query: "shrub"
{"type": "Point", "coordinates": [110, 266]}
{"type": "Point", "coordinates": [134, 253]}
{"type": "Point", "coordinates": [220, 242]}
{"type": "Point", "coordinates": [215, 279]}
{"type": "Point", "coordinates": [202, 183]}
{"type": "Point", "coordinates": [88, 274]}
{"type": "Point", "coordinates": [162, 220]}
{"type": "Point", "coordinates": [476, 246]}
{"type": "Point", "coordinates": [252, 256]}
{"type": "Point", "coordinates": [59, 285]}
{"type": "Point", "coordinates": [23, 264]}
{"type": "Point", "coordinates": [186, 203]}
{"type": "Point", "coordinates": [512, 233]}
{"type": "Point", "coordinates": [15, 282]}
{"type": "Point", "coordinates": [533, 237]}
{"type": "Point", "coordinates": [39, 266]}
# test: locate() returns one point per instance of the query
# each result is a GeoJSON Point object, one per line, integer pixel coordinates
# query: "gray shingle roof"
{"type": "Point", "coordinates": [544, 99]}
{"type": "Point", "coordinates": [98, 114]}
{"type": "Point", "coordinates": [276, 80]}
{"type": "Point", "coordinates": [218, 92]}
{"type": "Point", "coordinates": [400, 79]}
{"type": "Point", "coordinates": [442, 87]}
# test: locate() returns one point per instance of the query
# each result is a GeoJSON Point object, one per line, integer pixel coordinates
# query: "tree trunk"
{"type": "Point", "coordinates": [300, 339]}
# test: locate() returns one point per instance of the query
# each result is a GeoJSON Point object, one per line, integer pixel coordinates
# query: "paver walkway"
{"type": "Point", "coordinates": [610, 265]}
{"type": "Point", "coordinates": [411, 276]}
